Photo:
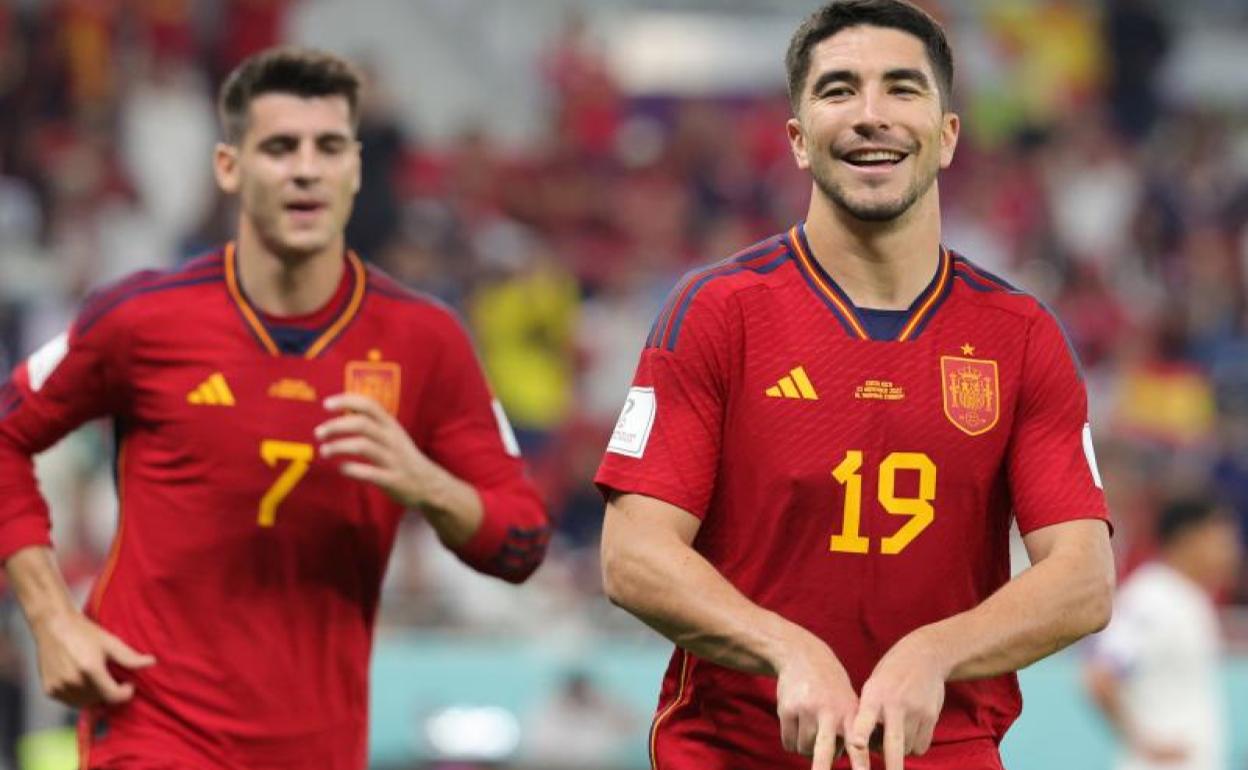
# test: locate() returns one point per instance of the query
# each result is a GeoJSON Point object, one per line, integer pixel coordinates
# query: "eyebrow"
{"type": "Point", "coordinates": [854, 79]}
{"type": "Point", "coordinates": [286, 136]}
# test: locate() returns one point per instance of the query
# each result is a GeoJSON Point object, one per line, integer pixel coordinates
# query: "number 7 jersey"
{"type": "Point", "coordinates": [247, 565]}
{"type": "Point", "coordinates": [855, 471]}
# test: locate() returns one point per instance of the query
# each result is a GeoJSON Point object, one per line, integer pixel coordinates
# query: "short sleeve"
{"type": "Point", "coordinates": [666, 442]}
{"type": "Point", "coordinates": [1052, 466]}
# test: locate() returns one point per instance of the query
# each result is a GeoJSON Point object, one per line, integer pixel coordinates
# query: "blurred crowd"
{"type": "Point", "coordinates": [1079, 177]}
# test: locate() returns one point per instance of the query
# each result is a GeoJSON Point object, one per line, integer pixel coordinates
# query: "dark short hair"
{"type": "Point", "coordinates": [893, 14]}
{"type": "Point", "coordinates": [302, 72]}
{"type": "Point", "coordinates": [1185, 514]}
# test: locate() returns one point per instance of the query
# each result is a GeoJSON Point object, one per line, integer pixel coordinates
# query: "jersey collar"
{"type": "Point", "coordinates": [251, 316]}
{"type": "Point", "coordinates": [917, 315]}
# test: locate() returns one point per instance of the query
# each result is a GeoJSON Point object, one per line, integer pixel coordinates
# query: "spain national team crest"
{"type": "Point", "coordinates": [971, 393]}
{"type": "Point", "coordinates": [376, 379]}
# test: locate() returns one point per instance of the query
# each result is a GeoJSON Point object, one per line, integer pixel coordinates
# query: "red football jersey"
{"type": "Point", "coordinates": [250, 567]}
{"type": "Point", "coordinates": [859, 487]}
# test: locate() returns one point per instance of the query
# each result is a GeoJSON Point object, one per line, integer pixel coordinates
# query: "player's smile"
{"type": "Point", "coordinates": [874, 161]}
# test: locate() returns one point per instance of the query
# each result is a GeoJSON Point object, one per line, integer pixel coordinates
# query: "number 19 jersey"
{"type": "Point", "coordinates": [855, 471]}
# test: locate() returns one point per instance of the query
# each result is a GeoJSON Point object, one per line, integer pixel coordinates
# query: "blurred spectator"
{"type": "Point", "coordinates": [524, 315]}
{"type": "Point", "coordinates": [1136, 42]}
{"type": "Point", "coordinates": [375, 217]}
{"type": "Point", "coordinates": [1154, 671]}
{"type": "Point", "coordinates": [579, 727]}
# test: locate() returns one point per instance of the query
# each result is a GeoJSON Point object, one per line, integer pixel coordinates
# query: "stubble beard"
{"type": "Point", "coordinates": [876, 210]}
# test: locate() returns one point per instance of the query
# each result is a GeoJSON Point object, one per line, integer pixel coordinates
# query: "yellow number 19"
{"type": "Point", "coordinates": [273, 451]}
{"type": "Point", "coordinates": [919, 509]}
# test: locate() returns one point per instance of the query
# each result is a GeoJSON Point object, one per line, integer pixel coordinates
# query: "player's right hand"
{"type": "Point", "coordinates": [815, 702]}
{"type": "Point", "coordinates": [74, 654]}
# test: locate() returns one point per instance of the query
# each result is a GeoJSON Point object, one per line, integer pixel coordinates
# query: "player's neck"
{"type": "Point", "coordinates": [880, 265]}
{"type": "Point", "coordinates": [288, 286]}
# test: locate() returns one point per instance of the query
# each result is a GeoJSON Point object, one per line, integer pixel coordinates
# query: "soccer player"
{"type": "Point", "coordinates": [1154, 672]}
{"type": "Point", "coordinates": [811, 485]}
{"type": "Point", "coordinates": [278, 406]}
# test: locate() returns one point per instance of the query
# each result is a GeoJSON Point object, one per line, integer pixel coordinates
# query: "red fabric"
{"type": "Point", "coordinates": [758, 471]}
{"type": "Point", "coordinates": [262, 633]}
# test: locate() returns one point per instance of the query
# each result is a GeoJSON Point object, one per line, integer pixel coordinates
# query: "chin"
{"type": "Point", "coordinates": [303, 244]}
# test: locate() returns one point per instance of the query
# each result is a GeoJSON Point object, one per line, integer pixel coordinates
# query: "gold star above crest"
{"type": "Point", "coordinates": [968, 350]}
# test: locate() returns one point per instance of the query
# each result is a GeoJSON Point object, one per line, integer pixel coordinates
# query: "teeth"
{"type": "Point", "coordinates": [872, 156]}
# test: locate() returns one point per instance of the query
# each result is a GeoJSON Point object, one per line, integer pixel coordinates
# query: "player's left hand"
{"type": "Point", "coordinates": [367, 432]}
{"type": "Point", "coordinates": [904, 693]}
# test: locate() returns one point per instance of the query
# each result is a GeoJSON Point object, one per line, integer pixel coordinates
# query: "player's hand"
{"type": "Point", "coordinates": [367, 432]}
{"type": "Point", "coordinates": [904, 693]}
{"type": "Point", "coordinates": [814, 701]}
{"type": "Point", "coordinates": [74, 654]}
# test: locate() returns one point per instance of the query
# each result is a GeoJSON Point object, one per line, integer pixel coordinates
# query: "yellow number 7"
{"type": "Point", "coordinates": [272, 451]}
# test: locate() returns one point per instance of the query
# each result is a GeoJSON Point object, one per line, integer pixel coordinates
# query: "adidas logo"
{"type": "Point", "coordinates": [795, 385]}
{"type": "Point", "coordinates": [211, 392]}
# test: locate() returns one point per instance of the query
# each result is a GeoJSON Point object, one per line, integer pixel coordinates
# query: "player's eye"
{"type": "Point", "coordinates": [332, 145]}
{"type": "Point", "coordinates": [277, 146]}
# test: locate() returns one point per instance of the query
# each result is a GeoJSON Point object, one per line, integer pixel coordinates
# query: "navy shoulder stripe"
{"type": "Point", "coordinates": [381, 283]}
{"type": "Point", "coordinates": [980, 279]}
{"type": "Point", "coordinates": [762, 258]}
{"type": "Point", "coordinates": [101, 302]}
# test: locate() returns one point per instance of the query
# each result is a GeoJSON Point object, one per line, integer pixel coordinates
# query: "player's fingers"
{"type": "Point", "coordinates": [124, 655]}
{"type": "Point", "coordinates": [347, 424]}
{"type": "Point", "coordinates": [922, 740]}
{"type": "Point", "coordinates": [860, 735]}
{"type": "Point", "coordinates": [807, 733]}
{"type": "Point", "coordinates": [894, 739]}
{"type": "Point", "coordinates": [108, 689]}
{"type": "Point", "coordinates": [825, 744]}
{"type": "Point", "coordinates": [355, 402]}
{"type": "Point", "coordinates": [371, 474]}
{"type": "Point", "coordinates": [357, 446]}
{"type": "Point", "coordinates": [788, 730]}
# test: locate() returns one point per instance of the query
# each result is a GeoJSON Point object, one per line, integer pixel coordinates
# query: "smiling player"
{"type": "Point", "coordinates": [811, 489]}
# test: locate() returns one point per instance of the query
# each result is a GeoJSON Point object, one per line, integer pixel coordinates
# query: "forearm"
{"type": "Point", "coordinates": [674, 590]}
{"type": "Point", "coordinates": [452, 506]}
{"type": "Point", "coordinates": [1057, 601]}
{"type": "Point", "coordinates": [38, 585]}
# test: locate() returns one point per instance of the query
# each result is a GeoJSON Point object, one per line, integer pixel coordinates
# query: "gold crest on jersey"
{"type": "Point", "coordinates": [971, 393]}
{"type": "Point", "coordinates": [377, 379]}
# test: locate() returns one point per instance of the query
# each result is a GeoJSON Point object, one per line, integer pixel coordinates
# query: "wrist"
{"type": "Point", "coordinates": [785, 643]}
{"type": "Point", "coordinates": [935, 643]}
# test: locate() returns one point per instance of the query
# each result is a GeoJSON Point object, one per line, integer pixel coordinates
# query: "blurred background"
{"type": "Point", "coordinates": [550, 168]}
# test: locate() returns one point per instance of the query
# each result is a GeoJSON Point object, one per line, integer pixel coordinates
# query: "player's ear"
{"type": "Point", "coordinates": [949, 127]}
{"type": "Point", "coordinates": [225, 167]}
{"type": "Point", "coordinates": [355, 183]}
{"type": "Point", "coordinates": [797, 143]}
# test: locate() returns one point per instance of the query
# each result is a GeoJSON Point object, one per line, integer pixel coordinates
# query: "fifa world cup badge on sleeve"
{"type": "Point", "coordinates": [632, 430]}
{"type": "Point", "coordinates": [971, 393]}
{"type": "Point", "coordinates": [377, 379]}
{"type": "Point", "coordinates": [43, 362]}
